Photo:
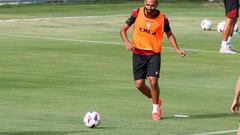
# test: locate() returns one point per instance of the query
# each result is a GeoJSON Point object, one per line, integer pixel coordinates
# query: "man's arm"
{"type": "Point", "coordinates": [235, 103]}
{"type": "Point", "coordinates": [123, 33]}
{"type": "Point", "coordinates": [173, 42]}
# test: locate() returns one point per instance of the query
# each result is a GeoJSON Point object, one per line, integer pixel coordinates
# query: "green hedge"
{"type": "Point", "coordinates": [135, 0]}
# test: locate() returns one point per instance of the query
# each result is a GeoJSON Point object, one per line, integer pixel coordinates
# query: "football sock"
{"type": "Point", "coordinates": [229, 40]}
{"type": "Point", "coordinates": [155, 108]}
{"type": "Point", "coordinates": [224, 44]}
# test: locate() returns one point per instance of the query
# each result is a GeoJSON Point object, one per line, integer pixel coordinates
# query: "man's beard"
{"type": "Point", "coordinates": [150, 11]}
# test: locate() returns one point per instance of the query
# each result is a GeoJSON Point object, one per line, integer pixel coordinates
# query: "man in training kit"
{"type": "Point", "coordinates": [235, 104]}
{"type": "Point", "coordinates": [231, 9]}
{"type": "Point", "coordinates": [148, 31]}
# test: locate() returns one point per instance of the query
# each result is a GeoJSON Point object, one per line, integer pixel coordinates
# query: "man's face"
{"type": "Point", "coordinates": [150, 6]}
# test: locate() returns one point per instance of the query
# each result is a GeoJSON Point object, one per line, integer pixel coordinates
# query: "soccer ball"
{"type": "Point", "coordinates": [91, 119]}
{"type": "Point", "coordinates": [206, 24]}
{"type": "Point", "coordinates": [236, 28]}
{"type": "Point", "coordinates": [221, 25]}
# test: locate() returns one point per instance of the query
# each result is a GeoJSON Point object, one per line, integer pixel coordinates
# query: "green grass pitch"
{"type": "Point", "coordinates": [54, 70]}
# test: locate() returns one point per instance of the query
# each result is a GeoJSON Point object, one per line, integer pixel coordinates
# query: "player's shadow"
{"type": "Point", "coordinates": [104, 128]}
{"type": "Point", "coordinates": [206, 116]}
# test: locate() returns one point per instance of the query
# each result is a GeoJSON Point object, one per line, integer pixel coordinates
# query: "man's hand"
{"type": "Point", "coordinates": [235, 106]}
{"type": "Point", "coordinates": [129, 46]}
{"type": "Point", "coordinates": [181, 52]}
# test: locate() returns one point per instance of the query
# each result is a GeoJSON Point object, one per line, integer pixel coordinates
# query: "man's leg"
{"type": "Point", "coordinates": [155, 89]}
{"type": "Point", "coordinates": [227, 31]}
{"type": "Point", "coordinates": [231, 10]}
{"type": "Point", "coordinates": [232, 30]}
{"type": "Point", "coordinates": [228, 28]}
{"type": "Point", "coordinates": [141, 86]}
{"type": "Point", "coordinates": [233, 26]}
{"type": "Point", "coordinates": [156, 113]}
{"type": "Point", "coordinates": [151, 93]}
{"type": "Point", "coordinates": [229, 40]}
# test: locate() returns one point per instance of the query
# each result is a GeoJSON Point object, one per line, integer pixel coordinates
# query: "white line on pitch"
{"type": "Point", "coordinates": [61, 39]}
{"type": "Point", "coordinates": [92, 41]}
{"type": "Point", "coordinates": [55, 18]}
{"type": "Point", "coordinates": [217, 132]}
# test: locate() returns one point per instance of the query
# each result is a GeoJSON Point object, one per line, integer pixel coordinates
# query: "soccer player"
{"type": "Point", "coordinates": [148, 31]}
{"type": "Point", "coordinates": [235, 104]}
{"type": "Point", "coordinates": [231, 9]}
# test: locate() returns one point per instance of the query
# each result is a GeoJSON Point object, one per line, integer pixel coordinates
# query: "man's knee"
{"type": "Point", "coordinates": [153, 81]}
{"type": "Point", "coordinates": [139, 84]}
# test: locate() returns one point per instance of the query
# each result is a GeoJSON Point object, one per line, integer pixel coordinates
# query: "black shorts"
{"type": "Point", "coordinates": [231, 8]}
{"type": "Point", "coordinates": [146, 65]}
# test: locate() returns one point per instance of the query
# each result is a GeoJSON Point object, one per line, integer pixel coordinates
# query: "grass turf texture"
{"type": "Point", "coordinates": [47, 83]}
